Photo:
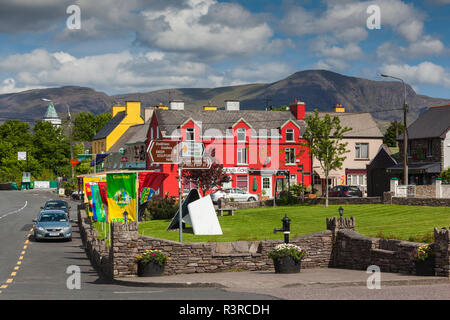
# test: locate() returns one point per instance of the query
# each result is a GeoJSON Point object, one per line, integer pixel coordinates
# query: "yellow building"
{"type": "Point", "coordinates": [123, 117]}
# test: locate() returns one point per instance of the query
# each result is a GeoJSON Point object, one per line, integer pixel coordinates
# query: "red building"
{"type": "Point", "coordinates": [261, 150]}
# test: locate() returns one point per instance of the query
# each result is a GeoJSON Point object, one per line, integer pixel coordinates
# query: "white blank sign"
{"type": "Point", "coordinates": [203, 217]}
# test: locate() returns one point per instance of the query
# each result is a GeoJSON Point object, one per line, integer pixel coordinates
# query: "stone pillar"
{"type": "Point", "coordinates": [394, 185]}
{"type": "Point", "coordinates": [442, 251]}
{"type": "Point", "coordinates": [124, 248]}
{"type": "Point", "coordinates": [335, 224]}
{"type": "Point", "coordinates": [438, 188]}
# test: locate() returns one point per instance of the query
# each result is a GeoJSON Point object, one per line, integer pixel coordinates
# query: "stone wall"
{"type": "Point", "coordinates": [210, 256]}
{"type": "Point", "coordinates": [426, 191]}
{"type": "Point", "coordinates": [339, 246]}
{"type": "Point", "coordinates": [97, 250]}
{"type": "Point", "coordinates": [344, 200]}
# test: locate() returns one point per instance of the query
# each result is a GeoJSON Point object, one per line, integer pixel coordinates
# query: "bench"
{"type": "Point", "coordinates": [229, 210]}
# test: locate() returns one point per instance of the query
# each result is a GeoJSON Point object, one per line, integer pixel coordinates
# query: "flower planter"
{"type": "Point", "coordinates": [150, 269]}
{"type": "Point", "coordinates": [425, 268]}
{"type": "Point", "coordinates": [287, 265]}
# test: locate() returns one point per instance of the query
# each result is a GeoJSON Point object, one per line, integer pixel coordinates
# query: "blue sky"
{"type": "Point", "coordinates": [145, 45]}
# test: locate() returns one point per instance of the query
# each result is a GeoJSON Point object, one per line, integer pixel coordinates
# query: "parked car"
{"type": "Point", "coordinates": [52, 224]}
{"type": "Point", "coordinates": [78, 196]}
{"type": "Point", "coordinates": [57, 205]}
{"type": "Point", "coordinates": [234, 193]}
{"type": "Point", "coordinates": [345, 191]}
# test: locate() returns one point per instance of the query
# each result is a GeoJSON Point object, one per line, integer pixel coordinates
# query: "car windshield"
{"type": "Point", "coordinates": [335, 189]}
{"type": "Point", "coordinates": [353, 188]}
{"type": "Point", "coordinates": [53, 217]}
{"type": "Point", "coordinates": [54, 205]}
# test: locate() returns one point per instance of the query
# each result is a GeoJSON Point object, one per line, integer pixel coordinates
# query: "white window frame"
{"type": "Point", "coordinates": [240, 131]}
{"type": "Point", "coordinates": [289, 150]}
{"type": "Point", "coordinates": [358, 150]}
{"type": "Point", "coordinates": [188, 131]}
{"type": "Point", "coordinates": [290, 131]}
{"type": "Point", "coordinates": [239, 156]}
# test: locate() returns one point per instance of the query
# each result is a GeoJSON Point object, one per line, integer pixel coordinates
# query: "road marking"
{"type": "Point", "coordinates": [15, 211]}
{"type": "Point", "coordinates": [16, 268]}
{"type": "Point", "coordinates": [9, 280]}
{"type": "Point", "coordinates": [23, 252]}
{"type": "Point", "coordinates": [13, 274]}
{"type": "Point", "coordinates": [132, 292]}
{"type": "Point", "coordinates": [19, 262]}
{"type": "Point", "coordinates": [28, 241]}
{"type": "Point", "coordinates": [25, 247]}
{"type": "Point", "coordinates": [21, 258]}
{"type": "Point", "coordinates": [4, 286]}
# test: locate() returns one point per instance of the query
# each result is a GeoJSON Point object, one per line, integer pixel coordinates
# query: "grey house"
{"type": "Point", "coordinates": [428, 146]}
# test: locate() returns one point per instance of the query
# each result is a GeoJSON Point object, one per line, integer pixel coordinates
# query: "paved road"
{"type": "Point", "coordinates": [37, 270]}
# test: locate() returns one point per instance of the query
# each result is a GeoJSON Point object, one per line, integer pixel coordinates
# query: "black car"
{"type": "Point", "coordinates": [345, 191]}
{"type": "Point", "coordinates": [57, 205]}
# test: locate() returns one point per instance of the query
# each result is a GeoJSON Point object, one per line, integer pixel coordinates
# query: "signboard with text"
{"type": "Point", "coordinates": [163, 152]}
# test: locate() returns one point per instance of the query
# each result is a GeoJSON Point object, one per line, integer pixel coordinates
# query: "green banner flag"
{"type": "Point", "coordinates": [99, 210]}
{"type": "Point", "coordinates": [121, 192]}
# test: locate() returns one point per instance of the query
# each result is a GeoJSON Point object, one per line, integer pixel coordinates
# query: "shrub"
{"type": "Point", "coordinates": [422, 253]}
{"type": "Point", "coordinates": [161, 208]}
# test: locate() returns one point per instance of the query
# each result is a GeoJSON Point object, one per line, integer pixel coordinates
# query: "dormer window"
{"type": "Point", "coordinates": [190, 134]}
{"type": "Point", "coordinates": [241, 135]}
{"type": "Point", "coordinates": [290, 135]}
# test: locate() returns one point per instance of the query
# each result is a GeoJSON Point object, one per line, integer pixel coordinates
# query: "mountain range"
{"type": "Point", "coordinates": [319, 89]}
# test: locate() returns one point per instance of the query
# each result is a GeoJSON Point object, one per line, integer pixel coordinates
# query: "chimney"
{"type": "Point", "coordinates": [133, 108]}
{"type": "Point", "coordinates": [339, 108]}
{"type": "Point", "coordinates": [148, 112]}
{"type": "Point", "coordinates": [232, 105]}
{"type": "Point", "coordinates": [298, 109]}
{"type": "Point", "coordinates": [176, 105]}
{"type": "Point", "coordinates": [117, 109]}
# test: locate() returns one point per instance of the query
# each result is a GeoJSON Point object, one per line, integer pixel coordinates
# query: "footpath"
{"type": "Point", "coordinates": [314, 278]}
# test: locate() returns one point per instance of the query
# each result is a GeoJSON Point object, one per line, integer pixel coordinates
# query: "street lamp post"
{"type": "Point", "coordinates": [405, 130]}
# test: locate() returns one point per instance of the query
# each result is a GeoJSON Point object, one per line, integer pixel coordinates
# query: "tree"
{"type": "Point", "coordinates": [324, 140]}
{"type": "Point", "coordinates": [52, 149]}
{"type": "Point", "coordinates": [392, 132]}
{"type": "Point", "coordinates": [208, 179]}
{"type": "Point", "coordinates": [86, 125]}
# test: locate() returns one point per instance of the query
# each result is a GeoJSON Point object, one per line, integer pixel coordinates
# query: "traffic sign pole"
{"type": "Point", "coordinates": [180, 192]}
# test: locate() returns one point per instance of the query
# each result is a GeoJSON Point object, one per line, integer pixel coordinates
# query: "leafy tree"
{"type": "Point", "coordinates": [394, 130]}
{"type": "Point", "coordinates": [86, 125]}
{"type": "Point", "coordinates": [324, 140]}
{"type": "Point", "coordinates": [52, 149]}
{"type": "Point", "coordinates": [208, 179]}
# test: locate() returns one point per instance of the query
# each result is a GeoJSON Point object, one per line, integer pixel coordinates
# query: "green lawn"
{"type": "Point", "coordinates": [392, 221]}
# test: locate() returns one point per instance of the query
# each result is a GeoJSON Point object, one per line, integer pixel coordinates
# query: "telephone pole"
{"type": "Point", "coordinates": [405, 130]}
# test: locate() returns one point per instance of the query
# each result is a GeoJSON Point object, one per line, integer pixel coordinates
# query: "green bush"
{"type": "Point", "coordinates": [161, 208]}
{"type": "Point", "coordinates": [69, 188]}
{"type": "Point", "coordinates": [445, 175]}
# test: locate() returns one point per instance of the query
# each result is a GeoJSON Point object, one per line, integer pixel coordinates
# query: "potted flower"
{"type": "Point", "coordinates": [151, 263]}
{"type": "Point", "coordinates": [287, 258]}
{"type": "Point", "coordinates": [423, 258]}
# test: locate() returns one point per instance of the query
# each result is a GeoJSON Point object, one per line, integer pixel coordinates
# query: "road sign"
{"type": "Point", "coordinates": [163, 152]}
{"type": "Point", "coordinates": [196, 163]}
{"type": "Point", "coordinates": [192, 149]}
{"type": "Point", "coordinates": [21, 156]}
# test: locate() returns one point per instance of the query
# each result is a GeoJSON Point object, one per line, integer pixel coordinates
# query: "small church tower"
{"type": "Point", "coordinates": [52, 116]}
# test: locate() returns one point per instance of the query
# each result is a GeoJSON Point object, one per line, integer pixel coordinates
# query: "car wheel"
{"type": "Point", "coordinates": [251, 199]}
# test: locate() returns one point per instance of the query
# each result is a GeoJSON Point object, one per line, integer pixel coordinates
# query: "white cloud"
{"type": "Point", "coordinates": [347, 20]}
{"type": "Point", "coordinates": [208, 30]}
{"type": "Point", "coordinates": [423, 73]}
{"type": "Point", "coordinates": [424, 47]}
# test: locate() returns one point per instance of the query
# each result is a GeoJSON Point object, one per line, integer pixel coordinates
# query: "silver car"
{"type": "Point", "coordinates": [235, 194]}
{"type": "Point", "coordinates": [52, 224]}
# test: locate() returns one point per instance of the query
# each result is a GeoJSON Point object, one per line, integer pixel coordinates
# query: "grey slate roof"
{"type": "Point", "coordinates": [110, 126]}
{"type": "Point", "coordinates": [433, 123]}
{"type": "Point", "coordinates": [170, 120]}
{"type": "Point", "coordinates": [362, 124]}
{"type": "Point", "coordinates": [139, 134]}
{"type": "Point", "coordinates": [126, 137]}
